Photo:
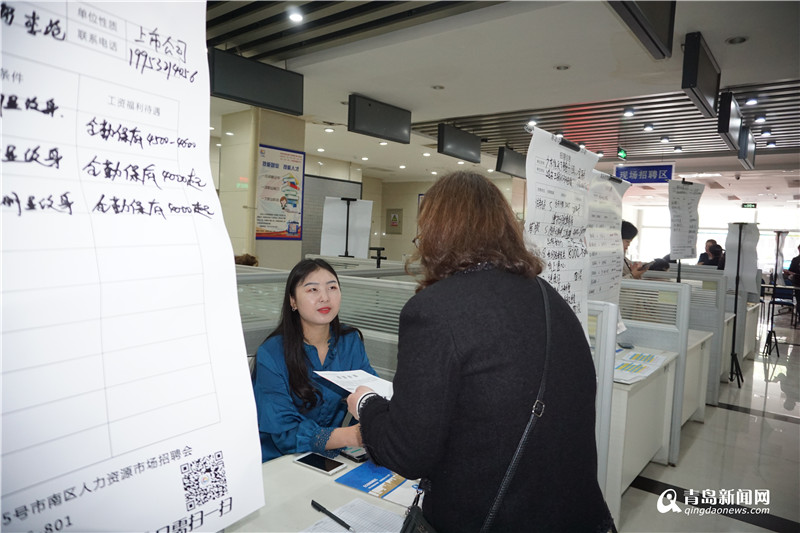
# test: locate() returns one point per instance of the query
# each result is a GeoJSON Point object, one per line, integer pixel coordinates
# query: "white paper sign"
{"type": "Point", "coordinates": [557, 216]}
{"type": "Point", "coordinates": [741, 249]}
{"type": "Point", "coordinates": [603, 236]}
{"type": "Point", "coordinates": [346, 229]}
{"type": "Point", "coordinates": [683, 200]}
{"type": "Point", "coordinates": [126, 403]}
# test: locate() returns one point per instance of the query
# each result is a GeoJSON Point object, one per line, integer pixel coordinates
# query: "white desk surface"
{"type": "Point", "coordinates": [696, 337]}
{"type": "Point", "coordinates": [288, 491]}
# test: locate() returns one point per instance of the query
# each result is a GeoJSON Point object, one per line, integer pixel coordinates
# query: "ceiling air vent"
{"type": "Point", "coordinates": [733, 198]}
{"type": "Point", "coordinates": [715, 185]}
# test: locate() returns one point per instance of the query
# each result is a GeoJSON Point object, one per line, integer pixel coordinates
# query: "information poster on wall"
{"type": "Point", "coordinates": [684, 196]}
{"type": "Point", "coordinates": [557, 216]}
{"type": "Point", "coordinates": [345, 227]}
{"type": "Point", "coordinates": [279, 193]}
{"type": "Point", "coordinates": [126, 401]}
{"type": "Point", "coordinates": [603, 236]}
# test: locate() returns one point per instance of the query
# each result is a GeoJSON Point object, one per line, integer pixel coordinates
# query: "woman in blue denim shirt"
{"type": "Point", "coordinates": [299, 411]}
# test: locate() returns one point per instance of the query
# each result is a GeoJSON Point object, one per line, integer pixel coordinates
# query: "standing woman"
{"type": "Point", "coordinates": [299, 411]}
{"type": "Point", "coordinates": [470, 360]}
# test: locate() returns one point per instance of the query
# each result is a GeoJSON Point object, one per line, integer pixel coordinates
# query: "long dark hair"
{"type": "Point", "coordinates": [291, 328]}
{"type": "Point", "coordinates": [465, 220]}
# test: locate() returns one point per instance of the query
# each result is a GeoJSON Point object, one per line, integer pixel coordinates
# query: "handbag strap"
{"type": "Point", "coordinates": [536, 413]}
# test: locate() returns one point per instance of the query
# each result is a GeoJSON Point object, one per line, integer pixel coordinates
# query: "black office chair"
{"type": "Point", "coordinates": [783, 297]}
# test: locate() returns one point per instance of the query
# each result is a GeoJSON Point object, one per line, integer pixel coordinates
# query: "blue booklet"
{"type": "Point", "coordinates": [373, 479]}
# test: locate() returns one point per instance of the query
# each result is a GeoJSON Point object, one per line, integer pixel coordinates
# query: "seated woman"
{"type": "Point", "coordinates": [299, 411]}
{"type": "Point", "coordinates": [716, 257]}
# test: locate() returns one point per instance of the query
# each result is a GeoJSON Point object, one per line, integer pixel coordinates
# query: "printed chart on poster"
{"type": "Point", "coordinates": [279, 193]}
{"type": "Point", "coordinates": [684, 197]}
{"type": "Point", "coordinates": [126, 401]}
{"type": "Point", "coordinates": [557, 216]}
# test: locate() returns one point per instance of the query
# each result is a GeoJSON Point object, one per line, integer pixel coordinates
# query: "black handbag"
{"type": "Point", "coordinates": [415, 522]}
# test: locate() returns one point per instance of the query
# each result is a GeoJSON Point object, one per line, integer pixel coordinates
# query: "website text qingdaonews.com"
{"type": "Point", "coordinates": [700, 511]}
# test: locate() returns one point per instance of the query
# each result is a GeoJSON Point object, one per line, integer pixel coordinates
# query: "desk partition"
{"type": "Point", "coordinates": [656, 315]}
{"type": "Point", "coordinates": [706, 313]}
{"type": "Point", "coordinates": [602, 326]}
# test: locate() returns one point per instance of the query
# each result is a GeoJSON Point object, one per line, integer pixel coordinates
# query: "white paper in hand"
{"type": "Point", "coordinates": [349, 380]}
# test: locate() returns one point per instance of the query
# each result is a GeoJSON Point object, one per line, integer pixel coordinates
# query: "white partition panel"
{"type": "Point", "coordinates": [706, 313]}
{"type": "Point", "coordinates": [656, 315]}
{"type": "Point", "coordinates": [602, 322]}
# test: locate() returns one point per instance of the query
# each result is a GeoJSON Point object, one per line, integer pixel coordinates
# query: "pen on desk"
{"type": "Point", "coordinates": [332, 516]}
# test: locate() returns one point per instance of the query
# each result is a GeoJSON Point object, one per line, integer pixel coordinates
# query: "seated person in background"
{"type": "Point", "coordinates": [716, 257]}
{"type": "Point", "coordinates": [299, 411]}
{"type": "Point", "coordinates": [704, 257]}
{"type": "Point", "coordinates": [793, 272]}
{"type": "Point", "coordinates": [630, 270]}
{"type": "Point", "coordinates": [246, 259]}
{"type": "Point", "coordinates": [659, 264]}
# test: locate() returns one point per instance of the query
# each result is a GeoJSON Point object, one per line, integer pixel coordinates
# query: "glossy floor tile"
{"type": "Point", "coordinates": [750, 442]}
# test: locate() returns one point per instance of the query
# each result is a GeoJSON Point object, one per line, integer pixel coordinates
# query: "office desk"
{"type": "Point", "coordinates": [641, 416]}
{"type": "Point", "coordinates": [288, 491]}
{"type": "Point", "coordinates": [695, 379]}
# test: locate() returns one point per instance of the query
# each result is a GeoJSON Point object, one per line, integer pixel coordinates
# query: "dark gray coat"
{"type": "Point", "coordinates": [471, 352]}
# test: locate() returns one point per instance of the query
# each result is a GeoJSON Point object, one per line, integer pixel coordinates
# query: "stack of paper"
{"type": "Point", "coordinates": [349, 380]}
{"type": "Point", "coordinates": [380, 482]}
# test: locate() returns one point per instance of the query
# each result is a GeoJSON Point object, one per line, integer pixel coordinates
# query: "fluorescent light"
{"type": "Point", "coordinates": [677, 149]}
{"type": "Point", "coordinates": [402, 166]}
{"type": "Point", "coordinates": [460, 162]}
{"type": "Point", "coordinates": [761, 119]}
{"type": "Point", "coordinates": [296, 17]}
{"type": "Point", "coordinates": [229, 133]}
{"type": "Point", "coordinates": [751, 101]}
{"type": "Point", "coordinates": [329, 130]}
{"type": "Point", "coordinates": [365, 158]}
{"type": "Point", "coordinates": [383, 143]}
{"type": "Point", "coordinates": [426, 154]}
{"type": "Point", "coordinates": [648, 127]}
{"type": "Point", "coordinates": [600, 153]}
{"type": "Point", "coordinates": [766, 133]}
{"type": "Point", "coordinates": [532, 123]}
{"type": "Point", "coordinates": [665, 139]}
{"type": "Point", "coordinates": [629, 112]}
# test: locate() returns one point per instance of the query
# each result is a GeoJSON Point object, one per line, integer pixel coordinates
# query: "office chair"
{"type": "Point", "coordinates": [784, 297]}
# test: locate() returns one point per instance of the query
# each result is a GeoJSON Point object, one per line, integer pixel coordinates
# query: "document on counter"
{"type": "Point", "coordinates": [349, 380]}
{"type": "Point", "coordinates": [361, 516]}
{"type": "Point", "coordinates": [649, 358]}
{"type": "Point", "coordinates": [631, 371]}
{"type": "Point", "coordinates": [381, 482]}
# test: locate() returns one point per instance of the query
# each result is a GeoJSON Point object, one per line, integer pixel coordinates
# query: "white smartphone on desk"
{"type": "Point", "coordinates": [320, 463]}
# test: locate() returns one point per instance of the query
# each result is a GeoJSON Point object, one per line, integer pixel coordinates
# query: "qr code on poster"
{"type": "Point", "coordinates": [204, 480]}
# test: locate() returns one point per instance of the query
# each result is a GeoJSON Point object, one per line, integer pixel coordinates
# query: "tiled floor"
{"type": "Point", "coordinates": [750, 441]}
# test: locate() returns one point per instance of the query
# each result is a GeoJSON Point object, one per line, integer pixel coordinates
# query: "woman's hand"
{"type": "Point", "coordinates": [353, 399]}
{"type": "Point", "coordinates": [638, 269]}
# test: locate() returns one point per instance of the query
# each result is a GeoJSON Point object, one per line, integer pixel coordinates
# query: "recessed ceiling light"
{"type": "Point", "coordinates": [677, 149]}
{"type": "Point", "coordinates": [600, 153]}
{"type": "Point", "coordinates": [648, 127]}
{"type": "Point", "coordinates": [426, 154]}
{"type": "Point", "coordinates": [532, 122]}
{"type": "Point", "coordinates": [320, 163]}
{"type": "Point", "coordinates": [582, 144]}
{"type": "Point", "coordinates": [489, 170]}
{"type": "Point", "coordinates": [629, 112]}
{"type": "Point", "coordinates": [771, 144]}
{"type": "Point", "coordinates": [229, 133]}
{"type": "Point", "coordinates": [218, 144]}
{"type": "Point", "coordinates": [665, 139]}
{"type": "Point", "coordinates": [320, 149]}
{"type": "Point", "coordinates": [329, 130]}
{"type": "Point", "coordinates": [736, 40]}
{"type": "Point", "coordinates": [760, 119]}
{"type": "Point", "coordinates": [296, 16]}
{"type": "Point", "coordinates": [460, 162]}
{"type": "Point", "coordinates": [211, 128]}
{"type": "Point", "coordinates": [751, 101]}
{"type": "Point", "coordinates": [402, 166]}
{"type": "Point", "coordinates": [383, 143]}
{"type": "Point", "coordinates": [766, 133]}
{"type": "Point", "coordinates": [434, 172]}
{"type": "Point", "coordinates": [365, 158]}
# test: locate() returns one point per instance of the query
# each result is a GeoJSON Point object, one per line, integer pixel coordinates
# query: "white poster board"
{"type": "Point", "coordinates": [556, 217]}
{"type": "Point", "coordinates": [335, 226]}
{"type": "Point", "coordinates": [126, 400]}
{"type": "Point", "coordinates": [745, 254]}
{"type": "Point", "coordinates": [684, 196]}
{"type": "Point", "coordinates": [603, 237]}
